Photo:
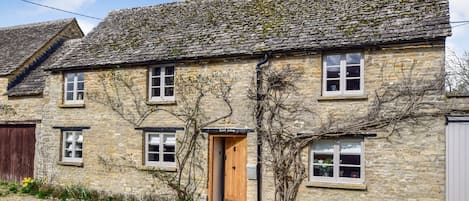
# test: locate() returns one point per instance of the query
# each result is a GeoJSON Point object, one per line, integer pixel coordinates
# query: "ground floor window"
{"type": "Point", "coordinates": [72, 147]}
{"type": "Point", "coordinates": [339, 160]}
{"type": "Point", "coordinates": [160, 149]}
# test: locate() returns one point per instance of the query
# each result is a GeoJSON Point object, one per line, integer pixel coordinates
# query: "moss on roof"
{"type": "Point", "coordinates": [195, 29]}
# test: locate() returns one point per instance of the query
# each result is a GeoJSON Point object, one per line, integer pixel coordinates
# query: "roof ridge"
{"type": "Point", "coordinates": [36, 24]}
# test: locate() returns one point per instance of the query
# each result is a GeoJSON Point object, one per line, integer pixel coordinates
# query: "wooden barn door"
{"type": "Point", "coordinates": [17, 145]}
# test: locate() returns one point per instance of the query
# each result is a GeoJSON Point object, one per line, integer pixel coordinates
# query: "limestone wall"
{"type": "Point", "coordinates": [409, 167]}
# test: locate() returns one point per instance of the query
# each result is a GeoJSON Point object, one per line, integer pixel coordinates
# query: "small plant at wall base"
{"type": "Point", "coordinates": [42, 190]}
{"type": "Point", "coordinates": [29, 185]}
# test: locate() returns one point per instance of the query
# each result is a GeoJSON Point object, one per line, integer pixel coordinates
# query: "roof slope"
{"type": "Point", "coordinates": [195, 29]}
{"type": "Point", "coordinates": [18, 43]}
{"type": "Point", "coordinates": [33, 84]}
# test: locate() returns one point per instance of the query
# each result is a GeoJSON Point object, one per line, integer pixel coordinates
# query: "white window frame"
{"type": "Point", "coordinates": [162, 86]}
{"type": "Point", "coordinates": [343, 77]}
{"type": "Point", "coordinates": [336, 163]}
{"type": "Point", "coordinates": [161, 152]}
{"type": "Point", "coordinates": [74, 90]}
{"type": "Point", "coordinates": [74, 149]}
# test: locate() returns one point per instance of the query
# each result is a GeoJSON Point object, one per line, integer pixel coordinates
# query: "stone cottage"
{"type": "Point", "coordinates": [25, 51]}
{"type": "Point", "coordinates": [345, 49]}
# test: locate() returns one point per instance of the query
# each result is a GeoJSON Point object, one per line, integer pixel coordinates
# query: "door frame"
{"type": "Point", "coordinates": [210, 158]}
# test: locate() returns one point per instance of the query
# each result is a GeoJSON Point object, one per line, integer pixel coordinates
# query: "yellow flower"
{"type": "Point", "coordinates": [27, 181]}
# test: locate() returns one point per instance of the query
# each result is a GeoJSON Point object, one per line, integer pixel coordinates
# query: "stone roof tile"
{"type": "Point", "coordinates": [217, 28]}
{"type": "Point", "coordinates": [19, 43]}
{"type": "Point", "coordinates": [33, 84]}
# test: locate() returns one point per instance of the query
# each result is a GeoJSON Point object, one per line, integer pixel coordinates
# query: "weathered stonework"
{"type": "Point", "coordinates": [407, 167]}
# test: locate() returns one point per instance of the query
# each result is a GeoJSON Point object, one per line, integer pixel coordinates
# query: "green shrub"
{"type": "Point", "coordinates": [44, 191]}
{"type": "Point", "coordinates": [13, 187]}
{"type": "Point", "coordinates": [29, 186]}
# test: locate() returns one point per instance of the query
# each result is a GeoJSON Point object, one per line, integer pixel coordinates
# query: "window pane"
{"type": "Point", "coordinates": [78, 154]}
{"type": "Point", "coordinates": [78, 146]}
{"type": "Point", "coordinates": [68, 136]}
{"type": "Point", "coordinates": [333, 60]}
{"type": "Point", "coordinates": [350, 147]}
{"type": "Point", "coordinates": [69, 96]}
{"type": "Point", "coordinates": [351, 172]}
{"type": "Point", "coordinates": [68, 154]}
{"type": "Point", "coordinates": [323, 171]}
{"type": "Point", "coordinates": [169, 139]}
{"type": "Point", "coordinates": [169, 80]}
{"type": "Point", "coordinates": [154, 148]}
{"type": "Point", "coordinates": [70, 77]}
{"type": "Point", "coordinates": [353, 84]}
{"type": "Point", "coordinates": [324, 146]}
{"type": "Point", "coordinates": [353, 71]}
{"type": "Point", "coordinates": [169, 71]}
{"type": "Point", "coordinates": [155, 92]}
{"type": "Point", "coordinates": [153, 157]}
{"type": "Point", "coordinates": [350, 159]}
{"type": "Point", "coordinates": [156, 71]}
{"type": "Point", "coordinates": [69, 146]}
{"type": "Point", "coordinates": [154, 139]}
{"type": "Point", "coordinates": [79, 137]}
{"type": "Point", "coordinates": [333, 72]}
{"type": "Point", "coordinates": [323, 158]}
{"type": "Point", "coordinates": [168, 158]}
{"type": "Point", "coordinates": [333, 85]}
{"type": "Point", "coordinates": [80, 85]}
{"type": "Point", "coordinates": [156, 82]}
{"type": "Point", "coordinates": [168, 91]}
{"type": "Point", "coordinates": [80, 95]}
{"type": "Point", "coordinates": [80, 76]}
{"type": "Point", "coordinates": [353, 58]}
{"type": "Point", "coordinates": [70, 86]}
{"type": "Point", "coordinates": [169, 148]}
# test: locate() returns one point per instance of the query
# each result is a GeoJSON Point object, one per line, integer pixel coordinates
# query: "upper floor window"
{"type": "Point", "coordinates": [343, 74]}
{"type": "Point", "coordinates": [161, 83]}
{"type": "Point", "coordinates": [160, 149]}
{"type": "Point", "coordinates": [337, 161]}
{"type": "Point", "coordinates": [74, 88]}
{"type": "Point", "coordinates": [72, 148]}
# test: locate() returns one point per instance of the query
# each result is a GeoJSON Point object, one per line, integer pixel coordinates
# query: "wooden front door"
{"type": "Point", "coordinates": [17, 144]}
{"type": "Point", "coordinates": [227, 168]}
{"type": "Point", "coordinates": [235, 169]}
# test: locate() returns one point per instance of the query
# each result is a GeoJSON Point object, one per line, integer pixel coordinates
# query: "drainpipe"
{"type": "Point", "coordinates": [259, 98]}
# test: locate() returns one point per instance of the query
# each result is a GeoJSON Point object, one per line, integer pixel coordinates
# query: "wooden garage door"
{"type": "Point", "coordinates": [17, 143]}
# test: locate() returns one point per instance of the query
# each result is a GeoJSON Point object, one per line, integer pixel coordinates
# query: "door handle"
{"type": "Point", "coordinates": [234, 167]}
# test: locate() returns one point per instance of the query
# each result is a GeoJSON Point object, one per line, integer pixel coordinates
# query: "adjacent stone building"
{"type": "Point", "coordinates": [25, 51]}
{"type": "Point", "coordinates": [345, 50]}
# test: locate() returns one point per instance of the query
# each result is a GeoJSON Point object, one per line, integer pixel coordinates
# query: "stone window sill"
{"type": "Point", "coordinates": [344, 98]}
{"type": "Point", "coordinates": [72, 105]}
{"type": "Point", "coordinates": [346, 186]}
{"type": "Point", "coordinates": [75, 164]}
{"type": "Point", "coordinates": [158, 168]}
{"type": "Point", "coordinates": [161, 102]}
